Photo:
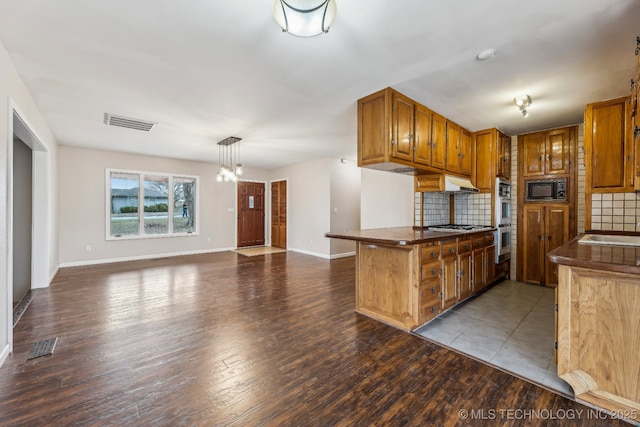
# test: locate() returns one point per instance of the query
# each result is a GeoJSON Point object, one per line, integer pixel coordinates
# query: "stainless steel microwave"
{"type": "Point", "coordinates": [547, 189]}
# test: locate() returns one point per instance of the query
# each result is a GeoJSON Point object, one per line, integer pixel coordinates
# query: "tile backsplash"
{"type": "Point", "coordinates": [470, 208]}
{"type": "Point", "coordinates": [615, 212]}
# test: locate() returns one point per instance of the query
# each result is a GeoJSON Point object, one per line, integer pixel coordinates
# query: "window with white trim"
{"type": "Point", "coordinates": [146, 204]}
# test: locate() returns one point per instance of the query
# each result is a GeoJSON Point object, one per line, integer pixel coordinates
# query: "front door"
{"type": "Point", "coordinates": [250, 214]}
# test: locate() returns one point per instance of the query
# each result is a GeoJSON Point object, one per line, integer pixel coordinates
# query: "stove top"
{"type": "Point", "coordinates": [460, 228]}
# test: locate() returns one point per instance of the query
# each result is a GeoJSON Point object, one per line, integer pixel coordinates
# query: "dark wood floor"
{"type": "Point", "coordinates": [222, 339]}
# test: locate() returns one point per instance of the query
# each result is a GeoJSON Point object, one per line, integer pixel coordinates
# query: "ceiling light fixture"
{"type": "Point", "coordinates": [523, 102]}
{"type": "Point", "coordinates": [229, 166]}
{"type": "Point", "coordinates": [304, 18]}
{"type": "Point", "coordinates": [486, 54]}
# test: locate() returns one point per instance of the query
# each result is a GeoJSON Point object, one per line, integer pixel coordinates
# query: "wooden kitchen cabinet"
{"type": "Point", "coordinates": [546, 153]}
{"type": "Point", "coordinates": [492, 150]}
{"type": "Point", "coordinates": [396, 131]}
{"type": "Point", "coordinates": [545, 228]}
{"type": "Point", "coordinates": [608, 147]}
{"type": "Point", "coordinates": [458, 150]}
{"type": "Point", "coordinates": [449, 265]}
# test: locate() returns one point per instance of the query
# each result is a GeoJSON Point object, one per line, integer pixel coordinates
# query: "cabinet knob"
{"type": "Point", "coordinates": [636, 131]}
{"type": "Point", "coordinates": [433, 290]}
{"type": "Point", "coordinates": [452, 250]}
{"type": "Point", "coordinates": [466, 246]}
{"type": "Point", "coordinates": [434, 272]}
{"type": "Point", "coordinates": [540, 237]}
{"type": "Point", "coordinates": [433, 254]}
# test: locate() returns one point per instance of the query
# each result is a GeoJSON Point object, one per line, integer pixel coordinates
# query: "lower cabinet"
{"type": "Point", "coordinates": [406, 286]}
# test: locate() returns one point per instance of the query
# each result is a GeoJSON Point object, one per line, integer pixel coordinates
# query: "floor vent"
{"type": "Point", "coordinates": [128, 122]}
{"type": "Point", "coordinates": [43, 348]}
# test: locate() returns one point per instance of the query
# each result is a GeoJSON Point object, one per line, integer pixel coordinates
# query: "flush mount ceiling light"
{"type": "Point", "coordinates": [229, 166]}
{"type": "Point", "coordinates": [304, 18]}
{"type": "Point", "coordinates": [486, 54]}
{"type": "Point", "coordinates": [523, 102]}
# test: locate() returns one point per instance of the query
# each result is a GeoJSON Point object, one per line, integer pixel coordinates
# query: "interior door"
{"type": "Point", "coordinates": [279, 214]}
{"type": "Point", "coordinates": [250, 213]}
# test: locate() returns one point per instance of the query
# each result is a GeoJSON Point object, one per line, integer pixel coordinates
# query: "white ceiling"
{"type": "Point", "coordinates": [205, 70]}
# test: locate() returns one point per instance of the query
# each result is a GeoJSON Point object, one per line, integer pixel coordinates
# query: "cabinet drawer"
{"type": "Point", "coordinates": [448, 248]}
{"type": "Point", "coordinates": [464, 246]}
{"type": "Point", "coordinates": [430, 254]}
{"type": "Point", "coordinates": [428, 312]}
{"type": "Point", "coordinates": [430, 293]}
{"type": "Point", "coordinates": [430, 272]}
{"type": "Point", "coordinates": [478, 242]}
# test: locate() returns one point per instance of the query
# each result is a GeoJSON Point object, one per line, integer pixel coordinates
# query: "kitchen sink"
{"type": "Point", "coordinates": [610, 239]}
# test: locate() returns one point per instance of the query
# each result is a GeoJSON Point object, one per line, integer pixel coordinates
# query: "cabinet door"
{"type": "Point", "coordinates": [453, 147]}
{"type": "Point", "coordinates": [438, 141]}
{"type": "Point", "coordinates": [373, 128]}
{"type": "Point", "coordinates": [422, 138]}
{"type": "Point", "coordinates": [465, 152]}
{"type": "Point", "coordinates": [478, 270]}
{"type": "Point", "coordinates": [485, 146]}
{"type": "Point", "coordinates": [556, 221]}
{"type": "Point", "coordinates": [558, 151]}
{"type": "Point", "coordinates": [464, 276]}
{"type": "Point", "coordinates": [402, 127]}
{"type": "Point", "coordinates": [533, 153]}
{"type": "Point", "coordinates": [504, 156]}
{"type": "Point", "coordinates": [449, 294]}
{"type": "Point", "coordinates": [605, 146]}
{"type": "Point", "coordinates": [490, 260]}
{"type": "Point", "coordinates": [533, 244]}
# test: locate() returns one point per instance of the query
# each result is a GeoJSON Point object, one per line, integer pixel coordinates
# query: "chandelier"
{"type": "Point", "coordinates": [229, 166]}
{"type": "Point", "coordinates": [304, 18]}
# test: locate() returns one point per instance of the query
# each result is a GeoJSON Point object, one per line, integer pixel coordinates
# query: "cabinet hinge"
{"type": "Point", "coordinates": [556, 307]}
{"type": "Point", "coordinates": [555, 345]}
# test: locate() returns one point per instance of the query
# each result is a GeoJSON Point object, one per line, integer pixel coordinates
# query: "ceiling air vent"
{"type": "Point", "coordinates": [406, 170]}
{"type": "Point", "coordinates": [128, 122]}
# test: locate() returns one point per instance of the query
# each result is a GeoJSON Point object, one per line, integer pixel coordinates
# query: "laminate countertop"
{"type": "Point", "coordinates": [622, 259]}
{"type": "Point", "coordinates": [400, 236]}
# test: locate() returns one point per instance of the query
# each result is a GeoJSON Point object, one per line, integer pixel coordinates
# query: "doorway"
{"type": "Point", "coordinates": [22, 219]}
{"type": "Point", "coordinates": [251, 213]}
{"type": "Point", "coordinates": [279, 214]}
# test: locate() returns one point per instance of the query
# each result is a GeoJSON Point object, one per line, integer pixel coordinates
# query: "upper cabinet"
{"type": "Point", "coordinates": [546, 153]}
{"type": "Point", "coordinates": [492, 158]}
{"type": "Point", "coordinates": [395, 131]}
{"type": "Point", "coordinates": [608, 147]}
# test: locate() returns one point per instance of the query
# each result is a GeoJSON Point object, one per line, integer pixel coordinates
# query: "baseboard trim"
{"type": "Point", "coordinates": [316, 254]}
{"type": "Point", "coordinates": [141, 257]}
{"type": "Point", "coordinates": [52, 276]}
{"type": "Point", "coordinates": [5, 353]}
{"type": "Point", "coordinates": [343, 255]}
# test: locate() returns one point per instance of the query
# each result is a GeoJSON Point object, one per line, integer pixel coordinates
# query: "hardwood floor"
{"type": "Point", "coordinates": [223, 339]}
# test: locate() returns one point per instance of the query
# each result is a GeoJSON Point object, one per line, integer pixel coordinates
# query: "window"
{"type": "Point", "coordinates": [144, 205]}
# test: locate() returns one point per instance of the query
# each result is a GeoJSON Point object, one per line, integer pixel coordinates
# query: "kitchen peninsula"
{"type": "Point", "coordinates": [407, 276]}
{"type": "Point", "coordinates": [598, 300]}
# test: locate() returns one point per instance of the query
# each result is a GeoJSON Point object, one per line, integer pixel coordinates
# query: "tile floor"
{"type": "Point", "coordinates": [510, 326]}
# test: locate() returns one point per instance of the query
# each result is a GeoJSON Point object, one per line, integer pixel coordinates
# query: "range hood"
{"type": "Point", "coordinates": [458, 184]}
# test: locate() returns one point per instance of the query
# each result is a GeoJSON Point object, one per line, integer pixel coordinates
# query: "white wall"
{"type": "Point", "coordinates": [345, 204]}
{"type": "Point", "coordinates": [82, 186]}
{"type": "Point", "coordinates": [13, 94]}
{"type": "Point", "coordinates": [308, 202]}
{"type": "Point", "coordinates": [387, 199]}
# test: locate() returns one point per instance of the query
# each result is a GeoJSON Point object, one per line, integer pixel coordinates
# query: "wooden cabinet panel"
{"type": "Point", "coordinates": [422, 141]}
{"type": "Point", "coordinates": [479, 280]}
{"type": "Point", "coordinates": [453, 147]}
{"type": "Point", "coordinates": [557, 233]}
{"type": "Point", "coordinates": [438, 141]}
{"type": "Point", "coordinates": [545, 228]}
{"type": "Point", "coordinates": [504, 156]}
{"type": "Point", "coordinates": [558, 152]}
{"type": "Point", "coordinates": [533, 245]}
{"type": "Point", "coordinates": [490, 256]}
{"type": "Point", "coordinates": [608, 152]}
{"type": "Point", "coordinates": [533, 153]}
{"type": "Point", "coordinates": [465, 152]}
{"type": "Point", "coordinates": [402, 142]}
{"type": "Point", "coordinates": [449, 292]}
{"type": "Point", "coordinates": [484, 172]}
{"type": "Point", "coordinates": [464, 276]}
{"type": "Point", "coordinates": [373, 128]}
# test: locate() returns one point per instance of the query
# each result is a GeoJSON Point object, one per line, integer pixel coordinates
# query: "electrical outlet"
{"type": "Point", "coordinates": [88, 248]}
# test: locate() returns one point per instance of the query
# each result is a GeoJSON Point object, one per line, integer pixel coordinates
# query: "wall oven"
{"type": "Point", "coordinates": [503, 220]}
